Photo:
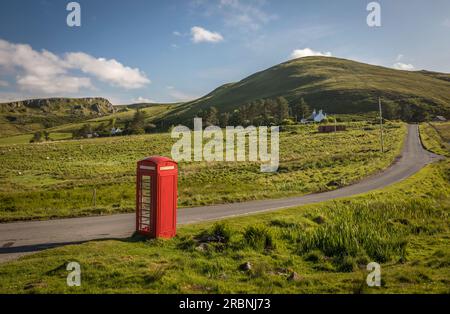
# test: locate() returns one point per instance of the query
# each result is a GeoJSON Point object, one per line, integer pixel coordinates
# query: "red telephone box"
{"type": "Point", "coordinates": [156, 197]}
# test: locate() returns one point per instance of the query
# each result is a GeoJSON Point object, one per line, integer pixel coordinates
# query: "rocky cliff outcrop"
{"type": "Point", "coordinates": [92, 106]}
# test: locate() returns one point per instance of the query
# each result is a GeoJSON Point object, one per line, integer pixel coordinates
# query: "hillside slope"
{"type": "Point", "coordinates": [122, 114]}
{"type": "Point", "coordinates": [34, 114]}
{"type": "Point", "coordinates": [335, 85]}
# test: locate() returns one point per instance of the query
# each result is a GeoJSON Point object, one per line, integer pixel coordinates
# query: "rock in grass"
{"type": "Point", "coordinates": [294, 277]}
{"type": "Point", "coordinates": [202, 247]}
{"type": "Point", "coordinates": [246, 266]}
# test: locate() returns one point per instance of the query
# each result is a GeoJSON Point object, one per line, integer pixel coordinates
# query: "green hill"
{"type": "Point", "coordinates": [35, 114]}
{"type": "Point", "coordinates": [335, 85]}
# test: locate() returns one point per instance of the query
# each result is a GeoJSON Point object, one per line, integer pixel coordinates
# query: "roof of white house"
{"type": "Point", "coordinates": [317, 117]}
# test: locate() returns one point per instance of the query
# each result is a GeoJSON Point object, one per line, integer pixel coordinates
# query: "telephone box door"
{"type": "Point", "coordinates": [145, 219]}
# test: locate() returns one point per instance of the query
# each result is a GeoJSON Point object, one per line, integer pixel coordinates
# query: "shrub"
{"type": "Point", "coordinates": [288, 230]}
{"type": "Point", "coordinates": [259, 270]}
{"type": "Point", "coordinates": [37, 137]}
{"type": "Point", "coordinates": [186, 244]}
{"type": "Point", "coordinates": [259, 237]}
{"type": "Point", "coordinates": [345, 264]}
{"type": "Point", "coordinates": [220, 233]}
{"type": "Point", "coordinates": [314, 256]}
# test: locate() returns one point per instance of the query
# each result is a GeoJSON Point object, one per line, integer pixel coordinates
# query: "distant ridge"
{"type": "Point", "coordinates": [33, 114]}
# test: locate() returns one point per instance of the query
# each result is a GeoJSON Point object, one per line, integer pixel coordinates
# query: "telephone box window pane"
{"type": "Point", "coordinates": [145, 201]}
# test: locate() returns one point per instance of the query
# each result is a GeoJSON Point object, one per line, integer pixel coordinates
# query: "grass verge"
{"type": "Point", "coordinates": [435, 137]}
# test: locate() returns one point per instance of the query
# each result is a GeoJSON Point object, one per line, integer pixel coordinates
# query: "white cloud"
{"type": "Point", "coordinates": [141, 100]}
{"type": "Point", "coordinates": [34, 63]}
{"type": "Point", "coordinates": [179, 95]}
{"type": "Point", "coordinates": [4, 83]}
{"type": "Point", "coordinates": [47, 73]}
{"type": "Point", "coordinates": [446, 23]}
{"type": "Point", "coordinates": [399, 57]}
{"type": "Point", "coordinates": [307, 52]}
{"type": "Point", "coordinates": [39, 71]}
{"type": "Point", "coordinates": [110, 71]}
{"type": "Point", "coordinates": [403, 66]}
{"type": "Point", "coordinates": [176, 33]}
{"type": "Point", "coordinates": [199, 34]}
{"type": "Point", "coordinates": [248, 15]}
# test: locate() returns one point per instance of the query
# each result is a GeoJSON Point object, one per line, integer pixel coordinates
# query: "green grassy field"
{"type": "Point", "coordinates": [57, 179]}
{"type": "Point", "coordinates": [25, 138]}
{"type": "Point", "coordinates": [404, 227]}
{"type": "Point", "coordinates": [436, 137]}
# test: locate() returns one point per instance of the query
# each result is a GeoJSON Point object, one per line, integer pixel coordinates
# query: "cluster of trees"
{"type": "Point", "coordinates": [40, 136]}
{"type": "Point", "coordinates": [260, 112]}
{"type": "Point", "coordinates": [278, 112]}
{"type": "Point", "coordinates": [301, 110]}
{"type": "Point", "coordinates": [138, 124]}
{"type": "Point", "coordinates": [405, 112]}
{"type": "Point", "coordinates": [102, 130]}
{"type": "Point", "coordinates": [84, 132]}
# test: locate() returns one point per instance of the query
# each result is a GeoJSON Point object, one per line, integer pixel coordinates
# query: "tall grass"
{"type": "Point", "coordinates": [375, 229]}
{"type": "Point", "coordinates": [259, 238]}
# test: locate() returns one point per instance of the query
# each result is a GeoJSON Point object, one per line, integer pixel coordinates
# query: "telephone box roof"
{"type": "Point", "coordinates": [158, 160]}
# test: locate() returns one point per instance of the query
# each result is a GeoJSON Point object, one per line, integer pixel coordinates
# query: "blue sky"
{"type": "Point", "coordinates": [175, 50]}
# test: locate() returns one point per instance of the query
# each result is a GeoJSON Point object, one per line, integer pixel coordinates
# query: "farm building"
{"type": "Point", "coordinates": [439, 119]}
{"type": "Point", "coordinates": [331, 128]}
{"type": "Point", "coordinates": [116, 131]}
{"type": "Point", "coordinates": [315, 117]}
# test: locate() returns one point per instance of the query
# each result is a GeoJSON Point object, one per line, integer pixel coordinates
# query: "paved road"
{"type": "Point", "coordinates": [17, 239]}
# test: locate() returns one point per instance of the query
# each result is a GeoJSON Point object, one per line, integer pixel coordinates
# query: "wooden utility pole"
{"type": "Point", "coordinates": [94, 197]}
{"type": "Point", "coordinates": [381, 125]}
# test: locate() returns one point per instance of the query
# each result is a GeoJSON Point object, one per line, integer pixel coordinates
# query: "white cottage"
{"type": "Point", "coordinates": [315, 117]}
{"type": "Point", "coordinates": [116, 131]}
